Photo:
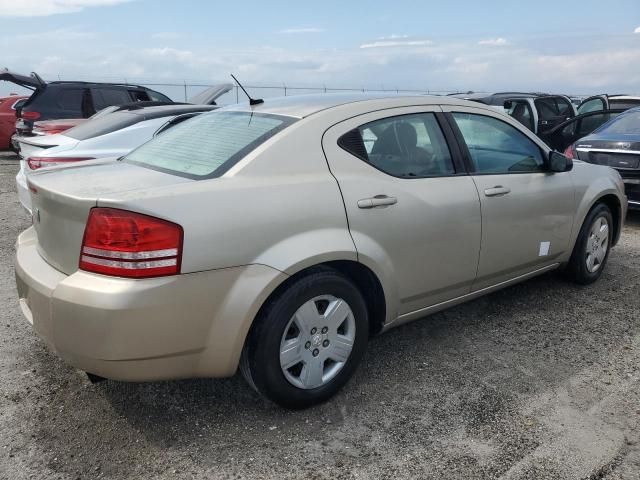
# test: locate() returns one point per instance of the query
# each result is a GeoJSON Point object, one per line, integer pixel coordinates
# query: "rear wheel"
{"type": "Point", "coordinates": [592, 247]}
{"type": "Point", "coordinates": [307, 341]}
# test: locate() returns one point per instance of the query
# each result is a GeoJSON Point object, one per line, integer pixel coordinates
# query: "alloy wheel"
{"type": "Point", "coordinates": [597, 244]}
{"type": "Point", "coordinates": [317, 342]}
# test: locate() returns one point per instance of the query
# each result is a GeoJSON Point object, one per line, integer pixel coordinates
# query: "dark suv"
{"type": "Point", "coordinates": [68, 99]}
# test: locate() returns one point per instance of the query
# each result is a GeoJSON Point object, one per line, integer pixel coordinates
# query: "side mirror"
{"type": "Point", "coordinates": [559, 163]}
{"type": "Point", "coordinates": [508, 104]}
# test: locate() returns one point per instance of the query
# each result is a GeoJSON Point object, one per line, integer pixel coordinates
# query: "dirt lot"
{"type": "Point", "coordinates": [539, 381]}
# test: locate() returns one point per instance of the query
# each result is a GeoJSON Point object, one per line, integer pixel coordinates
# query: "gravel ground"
{"type": "Point", "coordinates": [538, 381]}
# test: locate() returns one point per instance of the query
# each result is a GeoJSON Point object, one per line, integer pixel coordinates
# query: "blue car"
{"type": "Point", "coordinates": [616, 144]}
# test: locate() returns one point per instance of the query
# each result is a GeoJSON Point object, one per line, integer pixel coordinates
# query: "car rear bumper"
{"type": "Point", "coordinates": [15, 145]}
{"type": "Point", "coordinates": [190, 325]}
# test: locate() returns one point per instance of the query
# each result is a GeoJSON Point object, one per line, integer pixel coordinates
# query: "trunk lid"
{"type": "Point", "coordinates": [612, 153]}
{"type": "Point", "coordinates": [34, 146]}
{"type": "Point", "coordinates": [62, 197]}
{"type": "Point", "coordinates": [32, 82]}
{"type": "Point", "coordinates": [52, 127]}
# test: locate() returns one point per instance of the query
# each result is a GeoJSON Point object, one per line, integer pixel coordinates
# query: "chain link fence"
{"type": "Point", "coordinates": [183, 91]}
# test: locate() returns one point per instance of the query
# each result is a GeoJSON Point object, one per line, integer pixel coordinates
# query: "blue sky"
{"type": "Point", "coordinates": [561, 46]}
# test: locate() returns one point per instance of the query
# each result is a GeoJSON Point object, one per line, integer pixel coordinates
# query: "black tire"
{"type": "Point", "coordinates": [577, 269]}
{"type": "Point", "coordinates": [260, 362]}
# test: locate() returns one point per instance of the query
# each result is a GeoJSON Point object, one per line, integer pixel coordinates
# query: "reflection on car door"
{"type": "Point", "coordinates": [527, 213]}
{"type": "Point", "coordinates": [411, 208]}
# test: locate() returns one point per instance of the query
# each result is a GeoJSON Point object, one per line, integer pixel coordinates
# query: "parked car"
{"type": "Point", "coordinates": [564, 135]}
{"type": "Point", "coordinates": [616, 144]}
{"type": "Point", "coordinates": [112, 135]}
{"type": "Point", "coordinates": [52, 127]}
{"type": "Point", "coordinates": [277, 237]}
{"type": "Point", "coordinates": [8, 119]}
{"type": "Point", "coordinates": [539, 112]}
{"type": "Point", "coordinates": [206, 97]}
{"type": "Point", "coordinates": [69, 99]}
{"type": "Point", "coordinates": [602, 102]}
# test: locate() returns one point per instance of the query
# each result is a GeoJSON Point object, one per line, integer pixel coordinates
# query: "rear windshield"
{"type": "Point", "coordinates": [103, 124]}
{"type": "Point", "coordinates": [209, 144]}
{"type": "Point", "coordinates": [624, 124]}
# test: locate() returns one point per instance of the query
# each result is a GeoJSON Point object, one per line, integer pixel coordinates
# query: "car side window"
{"type": "Point", "coordinates": [547, 109]}
{"type": "Point", "coordinates": [70, 99]}
{"type": "Point", "coordinates": [593, 105]}
{"type": "Point", "coordinates": [564, 106]}
{"type": "Point", "coordinates": [105, 97]}
{"type": "Point", "coordinates": [497, 147]}
{"type": "Point", "coordinates": [157, 96]}
{"type": "Point", "coordinates": [406, 146]}
{"type": "Point", "coordinates": [139, 95]}
{"type": "Point", "coordinates": [521, 111]}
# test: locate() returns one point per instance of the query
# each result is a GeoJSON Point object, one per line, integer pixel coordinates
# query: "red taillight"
{"type": "Point", "coordinates": [127, 244]}
{"type": "Point", "coordinates": [50, 130]}
{"type": "Point", "coordinates": [39, 162]}
{"type": "Point", "coordinates": [570, 152]}
{"type": "Point", "coordinates": [30, 115]}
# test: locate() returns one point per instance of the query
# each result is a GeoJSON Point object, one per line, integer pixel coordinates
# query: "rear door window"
{"type": "Point", "coordinates": [406, 146]}
{"type": "Point", "coordinates": [208, 145]}
{"type": "Point", "coordinates": [105, 97]}
{"type": "Point", "coordinates": [70, 100]}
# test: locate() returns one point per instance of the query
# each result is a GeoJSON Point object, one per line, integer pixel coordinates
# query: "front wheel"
{"type": "Point", "coordinates": [592, 247]}
{"type": "Point", "coordinates": [307, 341]}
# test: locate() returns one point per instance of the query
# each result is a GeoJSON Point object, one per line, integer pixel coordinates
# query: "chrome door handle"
{"type": "Point", "coordinates": [377, 201]}
{"type": "Point", "coordinates": [496, 191]}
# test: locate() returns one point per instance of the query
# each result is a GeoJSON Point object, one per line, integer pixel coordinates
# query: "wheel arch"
{"type": "Point", "coordinates": [362, 277]}
{"type": "Point", "coordinates": [612, 201]}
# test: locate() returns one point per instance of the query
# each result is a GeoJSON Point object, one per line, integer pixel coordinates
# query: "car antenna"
{"type": "Point", "coordinates": [252, 101]}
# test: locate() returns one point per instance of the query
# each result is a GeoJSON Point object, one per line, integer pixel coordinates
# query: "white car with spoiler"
{"type": "Point", "coordinates": [106, 136]}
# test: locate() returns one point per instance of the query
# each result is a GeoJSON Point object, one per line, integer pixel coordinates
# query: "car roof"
{"type": "Point", "coordinates": [96, 84]}
{"type": "Point", "coordinates": [500, 97]}
{"type": "Point", "coordinates": [301, 106]}
{"type": "Point", "coordinates": [624, 97]}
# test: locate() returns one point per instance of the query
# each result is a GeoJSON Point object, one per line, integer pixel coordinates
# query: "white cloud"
{"type": "Point", "coordinates": [166, 36]}
{"type": "Point", "coordinates": [61, 34]}
{"type": "Point", "coordinates": [170, 53]}
{"type": "Point", "coordinates": [494, 42]}
{"type": "Point", "coordinates": [41, 8]}
{"type": "Point", "coordinates": [637, 30]}
{"type": "Point", "coordinates": [579, 64]}
{"type": "Point", "coordinates": [303, 30]}
{"type": "Point", "coordinates": [393, 36]}
{"type": "Point", "coordinates": [396, 43]}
